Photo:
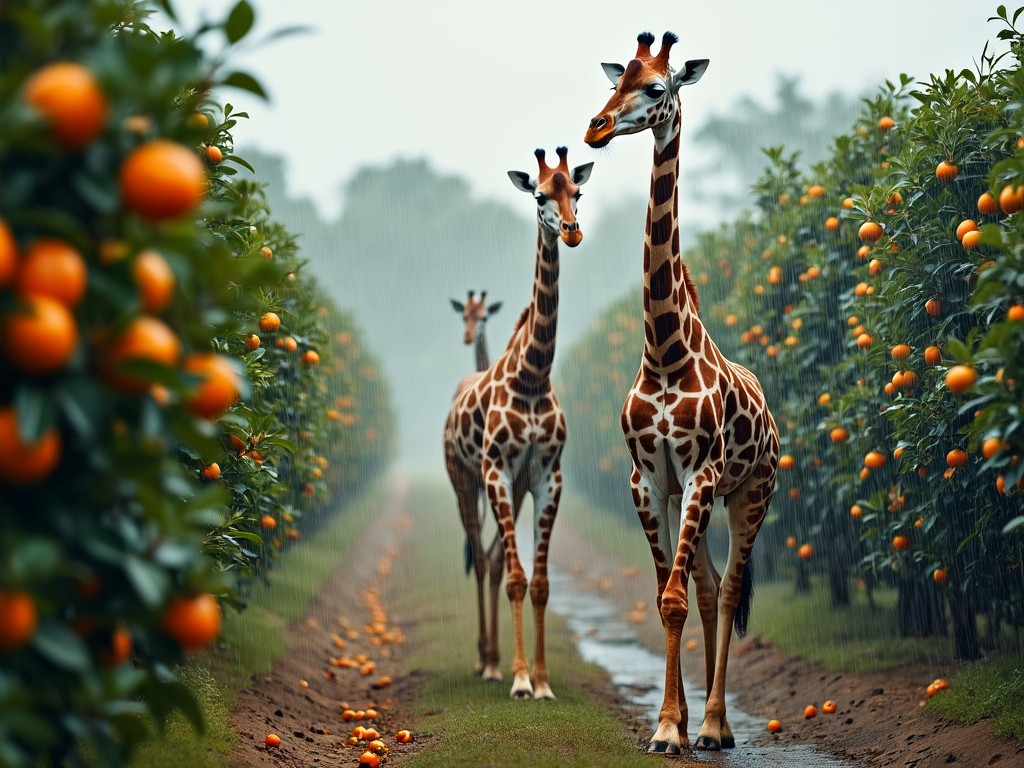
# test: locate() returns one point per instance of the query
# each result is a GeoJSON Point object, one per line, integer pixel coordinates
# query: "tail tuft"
{"type": "Point", "coordinates": [746, 598]}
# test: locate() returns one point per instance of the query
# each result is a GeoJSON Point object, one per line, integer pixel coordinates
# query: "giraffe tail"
{"type": "Point", "coordinates": [468, 550]}
{"type": "Point", "coordinates": [746, 597]}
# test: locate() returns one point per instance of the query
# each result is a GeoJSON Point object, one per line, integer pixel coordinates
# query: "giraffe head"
{"type": "Point", "coordinates": [474, 313]}
{"type": "Point", "coordinates": [646, 91]}
{"type": "Point", "coordinates": [556, 191]}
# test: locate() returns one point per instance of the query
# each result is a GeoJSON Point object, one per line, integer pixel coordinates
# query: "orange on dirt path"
{"type": "Point", "coordinates": [54, 268]}
{"type": "Point", "coordinates": [18, 619]}
{"type": "Point", "coordinates": [70, 100]}
{"type": "Point", "coordinates": [194, 622]}
{"type": "Point", "coordinates": [810, 711]}
{"type": "Point", "coordinates": [774, 726]}
{"type": "Point", "coordinates": [24, 463]}
{"type": "Point", "coordinates": [162, 180]}
{"type": "Point", "coordinates": [154, 280]}
{"type": "Point", "coordinates": [828, 707]}
{"type": "Point", "coordinates": [219, 387]}
{"type": "Point", "coordinates": [146, 339]}
{"type": "Point", "coordinates": [39, 335]}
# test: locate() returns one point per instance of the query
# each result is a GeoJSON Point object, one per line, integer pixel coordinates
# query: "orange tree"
{"type": "Point", "coordinates": [134, 271]}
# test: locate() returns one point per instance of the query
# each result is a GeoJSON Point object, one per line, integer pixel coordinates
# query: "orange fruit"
{"type": "Point", "coordinates": [272, 740]}
{"type": "Point", "coordinates": [900, 352]}
{"type": "Point", "coordinates": [956, 458]}
{"type": "Point", "coordinates": [213, 154]}
{"type": "Point", "coordinates": [870, 232]}
{"type": "Point", "coordinates": [909, 380]}
{"type": "Point", "coordinates": [310, 357]}
{"type": "Point", "coordinates": [774, 726]}
{"type": "Point", "coordinates": [71, 101]}
{"type": "Point", "coordinates": [960, 378]}
{"type": "Point", "coordinates": [253, 342]}
{"type": "Point", "coordinates": [806, 552]}
{"type": "Point", "coordinates": [816, 190]}
{"type": "Point", "coordinates": [211, 471]}
{"type": "Point", "coordinates": [885, 123]}
{"type": "Point", "coordinates": [791, 542]}
{"type": "Point", "coordinates": [117, 648]}
{"type": "Point", "coordinates": [875, 266]}
{"type": "Point", "coordinates": [145, 339]}
{"type": "Point", "coordinates": [39, 335]}
{"type": "Point", "coordinates": [933, 355]}
{"type": "Point", "coordinates": [154, 280]}
{"type": "Point", "coordinates": [403, 737]}
{"type": "Point", "coordinates": [940, 684]}
{"type": "Point", "coordinates": [874, 460]}
{"type": "Point", "coordinates": [194, 622]}
{"type": "Point", "coordinates": [162, 180]}
{"type": "Point", "coordinates": [991, 446]}
{"type": "Point", "coordinates": [18, 619]}
{"type": "Point", "coordinates": [268, 252]}
{"type": "Point", "coordinates": [786, 462]}
{"type": "Point", "coordinates": [839, 435]}
{"type": "Point", "coordinates": [987, 204]}
{"type": "Point", "coordinates": [864, 340]}
{"type": "Point", "coordinates": [269, 322]}
{"type": "Point", "coordinates": [8, 255]}
{"type": "Point", "coordinates": [1011, 199]}
{"type": "Point", "coordinates": [856, 511]}
{"type": "Point", "coordinates": [900, 542]}
{"type": "Point", "coordinates": [824, 398]}
{"type": "Point", "coordinates": [828, 707]}
{"type": "Point", "coordinates": [53, 268]}
{"type": "Point", "coordinates": [268, 522]}
{"type": "Point", "coordinates": [832, 223]}
{"type": "Point", "coordinates": [810, 711]}
{"type": "Point", "coordinates": [971, 239]}
{"type": "Point", "coordinates": [1015, 313]}
{"type": "Point", "coordinates": [940, 575]}
{"type": "Point", "coordinates": [290, 344]}
{"type": "Point", "coordinates": [965, 226]}
{"type": "Point", "coordinates": [22, 463]}
{"type": "Point", "coordinates": [946, 172]}
{"type": "Point", "coordinates": [933, 307]}
{"type": "Point", "coordinates": [219, 387]}
{"type": "Point", "coordinates": [863, 252]}
{"type": "Point", "coordinates": [369, 759]}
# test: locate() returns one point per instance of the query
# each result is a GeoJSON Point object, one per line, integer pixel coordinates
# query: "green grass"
{"type": "Point", "coordinates": [471, 723]}
{"type": "Point", "coordinates": [985, 689]}
{"type": "Point", "coordinates": [254, 639]}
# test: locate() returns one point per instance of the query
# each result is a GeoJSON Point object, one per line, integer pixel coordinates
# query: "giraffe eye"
{"type": "Point", "coordinates": [541, 199]}
{"type": "Point", "coordinates": [655, 90]}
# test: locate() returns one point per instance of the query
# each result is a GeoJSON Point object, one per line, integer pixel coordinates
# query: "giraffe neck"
{"type": "Point", "coordinates": [669, 295]}
{"type": "Point", "coordinates": [483, 360]}
{"type": "Point", "coordinates": [537, 346]}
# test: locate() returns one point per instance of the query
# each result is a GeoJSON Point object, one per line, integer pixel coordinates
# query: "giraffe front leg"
{"type": "Point", "coordinates": [499, 493]}
{"type": "Point", "coordinates": [546, 497]}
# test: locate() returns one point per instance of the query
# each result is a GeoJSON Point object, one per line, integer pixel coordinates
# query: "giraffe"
{"type": "Point", "coordinates": [505, 430]}
{"type": "Point", "coordinates": [475, 313]}
{"type": "Point", "coordinates": [696, 425]}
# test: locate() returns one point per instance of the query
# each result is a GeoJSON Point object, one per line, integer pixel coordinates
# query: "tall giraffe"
{"type": "Point", "coordinates": [697, 425]}
{"type": "Point", "coordinates": [475, 313]}
{"type": "Point", "coordinates": [505, 430]}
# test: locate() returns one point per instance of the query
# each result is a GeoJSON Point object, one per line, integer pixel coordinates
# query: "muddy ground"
{"type": "Point", "coordinates": [879, 722]}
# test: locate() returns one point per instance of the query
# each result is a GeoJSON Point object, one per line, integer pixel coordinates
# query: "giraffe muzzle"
{"type": "Point", "coordinates": [600, 131]}
{"type": "Point", "coordinates": [571, 234]}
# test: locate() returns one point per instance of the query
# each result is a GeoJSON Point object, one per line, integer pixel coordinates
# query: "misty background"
{"type": "Point", "coordinates": [391, 127]}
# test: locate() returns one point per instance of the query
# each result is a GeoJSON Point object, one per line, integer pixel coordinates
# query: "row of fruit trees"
{"type": "Point", "coordinates": [879, 297]}
{"type": "Point", "coordinates": [178, 400]}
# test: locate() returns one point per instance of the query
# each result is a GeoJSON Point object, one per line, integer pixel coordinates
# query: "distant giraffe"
{"type": "Point", "coordinates": [475, 313]}
{"type": "Point", "coordinates": [505, 430]}
{"type": "Point", "coordinates": [697, 425]}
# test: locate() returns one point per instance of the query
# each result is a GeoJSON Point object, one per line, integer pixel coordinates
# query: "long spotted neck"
{"type": "Point", "coordinates": [670, 299]}
{"type": "Point", "coordinates": [483, 360]}
{"type": "Point", "coordinates": [537, 345]}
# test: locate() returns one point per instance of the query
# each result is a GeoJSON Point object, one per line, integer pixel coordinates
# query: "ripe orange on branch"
{"type": "Point", "coordinates": [24, 463]}
{"type": "Point", "coordinates": [901, 543]}
{"type": "Point", "coordinates": [987, 204]}
{"type": "Point", "coordinates": [965, 226]}
{"type": "Point", "coordinates": [960, 378]}
{"type": "Point", "coordinates": [162, 180]}
{"type": "Point", "coordinates": [874, 460]}
{"type": "Point", "coordinates": [1011, 199]}
{"type": "Point", "coordinates": [870, 232]}
{"type": "Point", "coordinates": [219, 387]}
{"type": "Point", "coordinates": [945, 171]}
{"type": "Point", "coordinates": [18, 619]}
{"type": "Point", "coordinates": [194, 622]}
{"type": "Point", "coordinates": [67, 95]}
{"type": "Point", "coordinates": [155, 281]}
{"type": "Point", "coordinates": [269, 322]}
{"type": "Point", "coordinates": [54, 268]}
{"type": "Point", "coordinates": [145, 339]}
{"type": "Point", "coordinates": [39, 335]}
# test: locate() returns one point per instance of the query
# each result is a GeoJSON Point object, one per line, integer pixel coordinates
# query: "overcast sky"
{"type": "Point", "coordinates": [476, 86]}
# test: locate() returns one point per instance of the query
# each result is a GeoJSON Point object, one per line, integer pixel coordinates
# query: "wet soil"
{"type": "Point", "coordinates": [879, 722]}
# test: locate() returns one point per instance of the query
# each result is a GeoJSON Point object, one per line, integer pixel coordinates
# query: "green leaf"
{"type": "Point", "coordinates": [150, 582]}
{"type": "Point", "coordinates": [61, 646]}
{"type": "Point", "coordinates": [239, 21]}
{"type": "Point", "coordinates": [245, 82]}
{"type": "Point", "coordinates": [1014, 524]}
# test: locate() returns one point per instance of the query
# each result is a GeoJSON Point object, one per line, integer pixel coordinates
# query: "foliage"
{"type": "Point", "coordinates": [115, 519]}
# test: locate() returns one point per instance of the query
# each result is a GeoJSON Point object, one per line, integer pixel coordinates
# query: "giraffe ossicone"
{"type": "Point", "coordinates": [505, 433]}
{"type": "Point", "coordinates": [696, 424]}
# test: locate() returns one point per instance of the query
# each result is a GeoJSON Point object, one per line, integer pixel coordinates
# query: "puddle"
{"type": "Point", "coordinates": [605, 638]}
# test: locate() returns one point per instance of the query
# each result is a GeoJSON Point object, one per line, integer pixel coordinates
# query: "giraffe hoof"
{"type": "Point", "coordinates": [709, 743]}
{"type": "Point", "coordinates": [522, 695]}
{"type": "Point", "coordinates": [664, 748]}
{"type": "Point", "coordinates": [728, 742]}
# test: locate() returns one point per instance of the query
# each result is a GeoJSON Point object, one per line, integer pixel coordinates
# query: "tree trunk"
{"type": "Point", "coordinates": [803, 578]}
{"type": "Point", "coordinates": [965, 626]}
{"type": "Point", "coordinates": [839, 586]}
{"type": "Point", "coordinates": [919, 610]}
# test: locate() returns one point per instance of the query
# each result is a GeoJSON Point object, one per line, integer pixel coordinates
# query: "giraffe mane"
{"type": "Point", "coordinates": [691, 289]}
{"type": "Point", "coordinates": [518, 327]}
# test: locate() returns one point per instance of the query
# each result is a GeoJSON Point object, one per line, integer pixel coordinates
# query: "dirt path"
{"type": "Point", "coordinates": [879, 722]}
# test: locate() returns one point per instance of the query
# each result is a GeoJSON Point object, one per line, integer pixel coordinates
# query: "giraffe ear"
{"type": "Point", "coordinates": [691, 72]}
{"type": "Point", "coordinates": [521, 180]}
{"type": "Point", "coordinates": [458, 306]}
{"type": "Point", "coordinates": [613, 71]}
{"type": "Point", "coordinates": [493, 309]}
{"type": "Point", "coordinates": [581, 173]}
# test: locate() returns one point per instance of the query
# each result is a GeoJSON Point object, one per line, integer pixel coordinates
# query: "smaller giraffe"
{"type": "Point", "coordinates": [475, 313]}
{"type": "Point", "coordinates": [505, 430]}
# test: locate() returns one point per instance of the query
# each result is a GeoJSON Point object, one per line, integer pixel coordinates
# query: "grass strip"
{"type": "Point", "coordinates": [985, 689]}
